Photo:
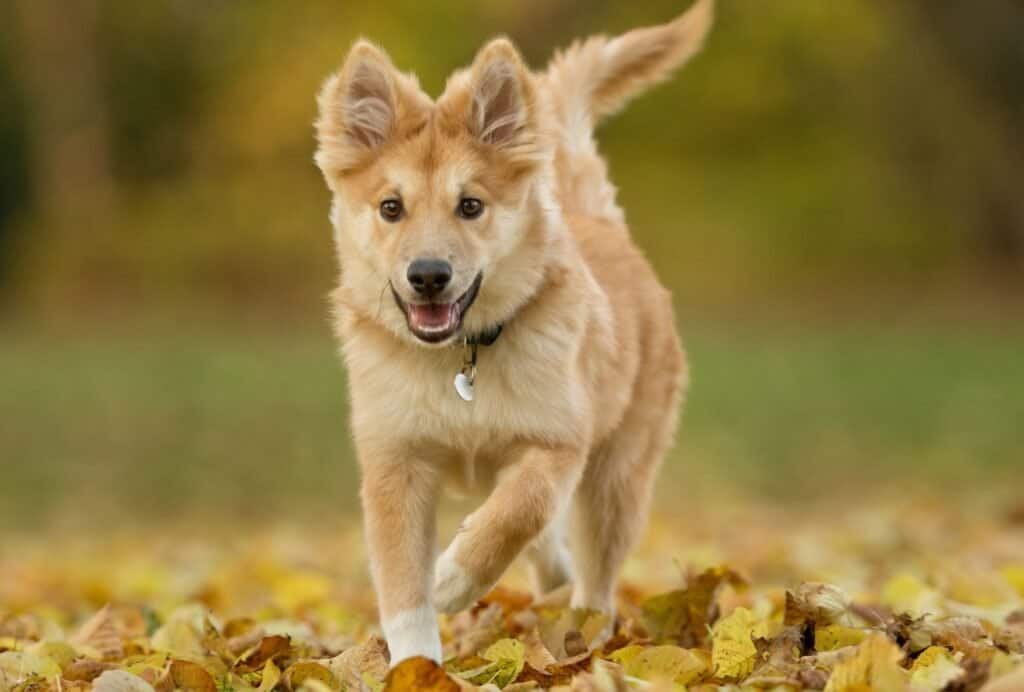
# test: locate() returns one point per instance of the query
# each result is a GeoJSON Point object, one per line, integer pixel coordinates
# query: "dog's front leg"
{"type": "Point", "coordinates": [399, 498]}
{"type": "Point", "coordinates": [528, 496]}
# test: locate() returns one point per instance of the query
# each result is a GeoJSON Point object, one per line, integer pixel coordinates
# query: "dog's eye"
{"type": "Point", "coordinates": [470, 208]}
{"type": "Point", "coordinates": [391, 210]}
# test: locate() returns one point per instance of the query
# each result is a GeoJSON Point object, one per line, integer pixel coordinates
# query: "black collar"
{"type": "Point", "coordinates": [486, 337]}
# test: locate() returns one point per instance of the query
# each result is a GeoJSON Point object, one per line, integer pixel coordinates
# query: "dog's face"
{"type": "Point", "coordinates": [434, 203]}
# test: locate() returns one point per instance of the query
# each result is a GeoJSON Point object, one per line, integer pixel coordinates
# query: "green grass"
{"type": "Point", "coordinates": [126, 427]}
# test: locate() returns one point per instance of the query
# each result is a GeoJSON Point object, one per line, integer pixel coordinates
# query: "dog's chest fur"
{"type": "Point", "coordinates": [527, 388]}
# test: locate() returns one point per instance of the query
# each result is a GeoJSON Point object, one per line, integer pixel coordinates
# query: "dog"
{"type": "Point", "coordinates": [500, 329]}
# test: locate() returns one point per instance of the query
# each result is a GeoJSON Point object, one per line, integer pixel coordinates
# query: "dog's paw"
{"type": "Point", "coordinates": [413, 633]}
{"type": "Point", "coordinates": [454, 588]}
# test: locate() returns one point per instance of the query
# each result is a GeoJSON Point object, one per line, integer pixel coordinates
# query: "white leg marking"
{"type": "Point", "coordinates": [413, 633]}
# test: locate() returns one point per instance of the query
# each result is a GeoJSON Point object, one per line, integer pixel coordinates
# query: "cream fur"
{"type": "Point", "coordinates": [576, 403]}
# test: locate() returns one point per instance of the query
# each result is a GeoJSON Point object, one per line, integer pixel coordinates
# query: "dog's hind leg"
{"type": "Point", "coordinates": [611, 503]}
{"type": "Point", "coordinates": [548, 558]}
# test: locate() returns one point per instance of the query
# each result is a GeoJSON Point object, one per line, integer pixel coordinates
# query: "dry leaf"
{"type": "Point", "coordinates": [356, 663]}
{"type": "Point", "coordinates": [733, 652]}
{"type": "Point", "coordinates": [309, 672]}
{"type": "Point", "coordinates": [933, 670]}
{"type": "Point", "coordinates": [120, 681]}
{"type": "Point", "coordinates": [875, 666]}
{"type": "Point", "coordinates": [191, 677]}
{"type": "Point", "coordinates": [419, 674]}
{"type": "Point", "coordinates": [99, 636]}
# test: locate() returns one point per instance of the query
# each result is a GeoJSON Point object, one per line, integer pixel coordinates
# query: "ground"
{"type": "Point", "coordinates": [900, 594]}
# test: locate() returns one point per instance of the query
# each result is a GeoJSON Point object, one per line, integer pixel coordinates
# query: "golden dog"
{"type": "Point", "coordinates": [499, 326]}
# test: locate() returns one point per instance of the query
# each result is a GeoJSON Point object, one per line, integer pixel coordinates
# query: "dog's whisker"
{"type": "Point", "coordinates": [380, 298]}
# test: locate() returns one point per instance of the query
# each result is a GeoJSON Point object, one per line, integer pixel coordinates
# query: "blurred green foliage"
{"type": "Point", "coordinates": [857, 161]}
{"type": "Point", "coordinates": [169, 422]}
{"type": "Point", "coordinates": [813, 146]}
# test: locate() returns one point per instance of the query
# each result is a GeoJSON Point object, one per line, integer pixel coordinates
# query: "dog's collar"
{"type": "Point", "coordinates": [485, 338]}
{"type": "Point", "coordinates": [465, 378]}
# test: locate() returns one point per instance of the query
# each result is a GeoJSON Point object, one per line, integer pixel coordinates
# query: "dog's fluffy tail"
{"type": "Point", "coordinates": [595, 78]}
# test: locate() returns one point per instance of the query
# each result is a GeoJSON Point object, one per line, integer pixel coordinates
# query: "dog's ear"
{"type": "Point", "coordinates": [362, 107]}
{"type": "Point", "coordinates": [502, 109]}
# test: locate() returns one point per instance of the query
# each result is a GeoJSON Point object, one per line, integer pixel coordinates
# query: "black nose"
{"type": "Point", "coordinates": [429, 276]}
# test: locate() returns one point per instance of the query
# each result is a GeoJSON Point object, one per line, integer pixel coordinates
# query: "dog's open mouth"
{"type": "Point", "coordinates": [436, 322]}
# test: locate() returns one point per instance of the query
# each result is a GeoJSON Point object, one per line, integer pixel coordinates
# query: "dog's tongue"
{"type": "Point", "coordinates": [433, 317]}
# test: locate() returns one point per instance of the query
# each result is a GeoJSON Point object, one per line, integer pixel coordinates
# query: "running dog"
{"type": "Point", "coordinates": [500, 328]}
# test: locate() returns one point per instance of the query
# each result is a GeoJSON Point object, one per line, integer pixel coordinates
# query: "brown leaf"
{"type": "Point", "coordinates": [369, 658]}
{"type": "Point", "coordinates": [537, 655]}
{"type": "Point", "coordinates": [473, 631]}
{"type": "Point", "coordinates": [99, 634]}
{"type": "Point", "coordinates": [308, 671]}
{"type": "Point", "coordinates": [574, 643]}
{"type": "Point", "coordinates": [419, 674]}
{"type": "Point", "coordinates": [191, 677]}
{"type": "Point", "coordinates": [510, 600]}
{"type": "Point", "coordinates": [683, 616]}
{"type": "Point", "coordinates": [85, 670]}
{"type": "Point", "coordinates": [268, 648]}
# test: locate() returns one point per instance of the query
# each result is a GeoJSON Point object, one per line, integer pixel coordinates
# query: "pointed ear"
{"type": "Point", "coordinates": [361, 108]}
{"type": "Point", "coordinates": [502, 103]}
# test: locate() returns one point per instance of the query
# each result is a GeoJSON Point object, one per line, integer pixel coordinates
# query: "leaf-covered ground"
{"type": "Point", "coordinates": [896, 596]}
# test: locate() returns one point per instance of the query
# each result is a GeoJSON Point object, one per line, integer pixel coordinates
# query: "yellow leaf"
{"type": "Point", "coordinates": [507, 658]}
{"type": "Point", "coordinates": [668, 663]}
{"type": "Point", "coordinates": [179, 639]}
{"type": "Point", "coordinates": [906, 593]}
{"type": "Point", "coordinates": [875, 666]}
{"type": "Point", "coordinates": [832, 637]}
{"type": "Point", "coordinates": [60, 653]}
{"type": "Point", "coordinates": [933, 670]}
{"type": "Point", "coordinates": [18, 665]}
{"type": "Point", "coordinates": [733, 653]}
{"type": "Point", "coordinates": [271, 676]}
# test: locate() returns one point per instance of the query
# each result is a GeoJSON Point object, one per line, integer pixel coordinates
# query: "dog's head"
{"type": "Point", "coordinates": [439, 208]}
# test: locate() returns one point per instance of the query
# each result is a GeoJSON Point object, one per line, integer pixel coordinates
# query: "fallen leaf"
{"type": "Point", "coordinates": [906, 593]}
{"type": "Point", "coordinates": [665, 662]}
{"type": "Point", "coordinates": [303, 672]}
{"type": "Point", "coordinates": [99, 636]}
{"type": "Point", "coordinates": [933, 670]}
{"type": "Point", "coordinates": [505, 661]}
{"type": "Point", "coordinates": [270, 677]}
{"type": "Point", "coordinates": [419, 674]}
{"type": "Point", "coordinates": [120, 681]}
{"type": "Point", "coordinates": [191, 677]}
{"type": "Point", "coordinates": [831, 637]}
{"type": "Point", "coordinates": [353, 665]}
{"type": "Point", "coordinates": [875, 666]}
{"type": "Point", "coordinates": [733, 653]}
{"type": "Point", "coordinates": [683, 616]}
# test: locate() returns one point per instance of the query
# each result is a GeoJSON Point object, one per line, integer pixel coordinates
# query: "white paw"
{"type": "Point", "coordinates": [413, 633]}
{"type": "Point", "coordinates": [454, 588]}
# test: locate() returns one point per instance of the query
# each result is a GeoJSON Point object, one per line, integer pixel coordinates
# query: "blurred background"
{"type": "Point", "coordinates": [831, 190]}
